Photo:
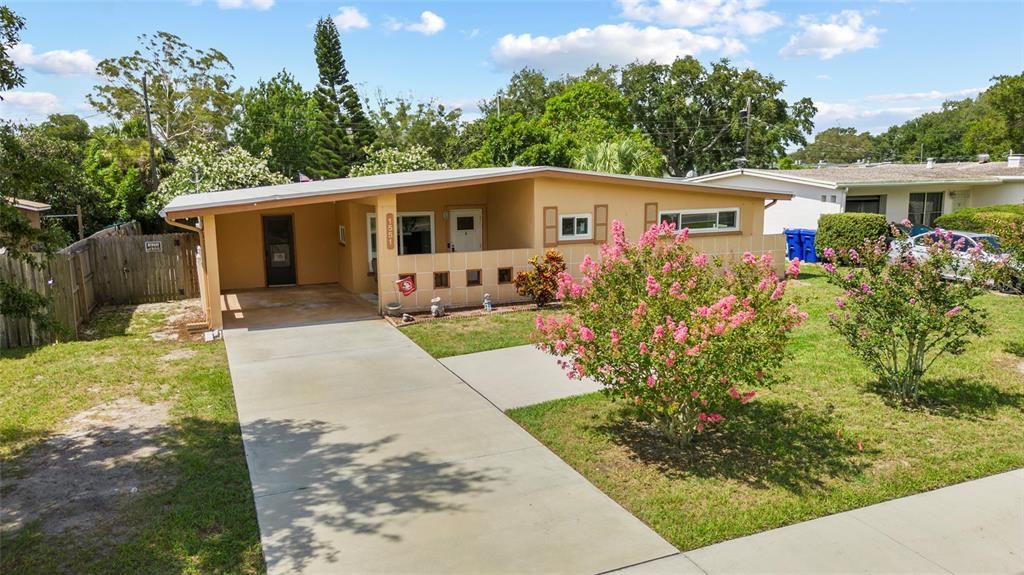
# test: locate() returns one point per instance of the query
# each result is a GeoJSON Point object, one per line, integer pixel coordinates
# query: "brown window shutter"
{"type": "Point", "coordinates": [601, 223]}
{"type": "Point", "coordinates": [550, 226]}
{"type": "Point", "coordinates": [650, 215]}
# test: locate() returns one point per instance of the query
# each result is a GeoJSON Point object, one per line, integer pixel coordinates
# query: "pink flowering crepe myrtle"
{"type": "Point", "coordinates": [682, 336]}
{"type": "Point", "coordinates": [900, 313]}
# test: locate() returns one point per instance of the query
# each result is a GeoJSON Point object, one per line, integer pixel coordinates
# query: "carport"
{"type": "Point", "coordinates": [293, 306]}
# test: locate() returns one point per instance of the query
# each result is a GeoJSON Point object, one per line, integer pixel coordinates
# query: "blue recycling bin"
{"type": "Point", "coordinates": [810, 254]}
{"type": "Point", "coordinates": [794, 244]}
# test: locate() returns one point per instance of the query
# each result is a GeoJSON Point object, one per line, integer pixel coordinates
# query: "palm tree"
{"type": "Point", "coordinates": [626, 156]}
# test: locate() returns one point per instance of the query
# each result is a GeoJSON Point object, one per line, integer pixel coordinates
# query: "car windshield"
{"type": "Point", "coordinates": [989, 244]}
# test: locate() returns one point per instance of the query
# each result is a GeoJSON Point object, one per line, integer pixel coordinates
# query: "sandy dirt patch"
{"type": "Point", "coordinates": [79, 477]}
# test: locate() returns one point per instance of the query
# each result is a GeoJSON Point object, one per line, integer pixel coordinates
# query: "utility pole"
{"type": "Point", "coordinates": [153, 177]}
{"type": "Point", "coordinates": [746, 138]}
{"type": "Point", "coordinates": [81, 225]}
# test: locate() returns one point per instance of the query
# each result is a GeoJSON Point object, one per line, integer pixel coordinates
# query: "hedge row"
{"type": "Point", "coordinates": [997, 220]}
{"type": "Point", "coordinates": [848, 230]}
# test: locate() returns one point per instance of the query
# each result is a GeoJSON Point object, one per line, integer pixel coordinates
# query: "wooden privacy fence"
{"type": "Point", "coordinates": [112, 267]}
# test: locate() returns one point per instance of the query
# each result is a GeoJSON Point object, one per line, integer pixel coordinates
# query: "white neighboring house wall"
{"type": "Point", "coordinates": [797, 213]}
{"type": "Point", "coordinates": [810, 200]}
{"type": "Point", "coordinates": [1009, 192]}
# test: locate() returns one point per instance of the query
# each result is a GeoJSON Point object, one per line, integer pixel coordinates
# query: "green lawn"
{"type": "Point", "coordinates": [459, 335]}
{"type": "Point", "coordinates": [824, 442]}
{"type": "Point", "coordinates": [200, 518]}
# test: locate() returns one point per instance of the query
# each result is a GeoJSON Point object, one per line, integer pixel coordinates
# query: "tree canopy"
{"type": "Point", "coordinates": [190, 90]}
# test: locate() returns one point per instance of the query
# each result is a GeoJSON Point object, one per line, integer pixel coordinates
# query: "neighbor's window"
{"type": "Point", "coordinates": [575, 227]}
{"type": "Point", "coordinates": [504, 275]}
{"type": "Point", "coordinates": [473, 277]}
{"type": "Point", "coordinates": [371, 241]}
{"type": "Point", "coordinates": [714, 220]}
{"type": "Point", "coordinates": [924, 208]}
{"type": "Point", "coordinates": [416, 233]}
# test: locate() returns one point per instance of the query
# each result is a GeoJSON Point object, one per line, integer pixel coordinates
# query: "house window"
{"type": "Point", "coordinates": [833, 199]}
{"type": "Point", "coordinates": [924, 208]}
{"type": "Point", "coordinates": [575, 227]}
{"type": "Point", "coordinates": [504, 275]}
{"type": "Point", "coordinates": [712, 220]}
{"type": "Point", "coordinates": [473, 277]}
{"type": "Point", "coordinates": [824, 198]}
{"type": "Point", "coordinates": [371, 242]}
{"type": "Point", "coordinates": [440, 280]}
{"type": "Point", "coordinates": [864, 204]}
{"type": "Point", "coordinates": [416, 233]}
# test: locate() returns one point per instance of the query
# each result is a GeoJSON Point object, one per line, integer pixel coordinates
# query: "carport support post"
{"type": "Point", "coordinates": [213, 311]}
{"type": "Point", "coordinates": [387, 249]}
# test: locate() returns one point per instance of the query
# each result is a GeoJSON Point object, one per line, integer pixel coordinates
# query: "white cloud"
{"type": "Point", "coordinates": [19, 104]}
{"type": "Point", "coordinates": [59, 62]}
{"type": "Point", "coordinates": [864, 116]}
{"type": "Point", "coordinates": [841, 33]}
{"type": "Point", "coordinates": [924, 96]}
{"type": "Point", "coordinates": [350, 18]}
{"type": "Point", "coordinates": [607, 44]}
{"type": "Point", "coordinates": [823, 77]}
{"type": "Point", "coordinates": [428, 25]}
{"type": "Point", "coordinates": [237, 4]}
{"type": "Point", "coordinates": [726, 16]}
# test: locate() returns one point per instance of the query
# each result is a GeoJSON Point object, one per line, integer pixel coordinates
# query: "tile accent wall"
{"type": "Point", "coordinates": [461, 295]}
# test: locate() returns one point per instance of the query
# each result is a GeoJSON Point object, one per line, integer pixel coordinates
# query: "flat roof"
{"type": "Point", "coordinates": [190, 205]}
{"type": "Point", "coordinates": [888, 174]}
{"type": "Point", "coordinates": [29, 205]}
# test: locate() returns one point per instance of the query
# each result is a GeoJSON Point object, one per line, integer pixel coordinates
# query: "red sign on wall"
{"type": "Point", "coordinates": [406, 285]}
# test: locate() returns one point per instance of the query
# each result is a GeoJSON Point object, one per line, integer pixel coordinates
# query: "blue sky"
{"type": "Point", "coordinates": [865, 64]}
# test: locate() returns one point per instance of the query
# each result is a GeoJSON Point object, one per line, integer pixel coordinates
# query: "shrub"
{"type": "Point", "coordinates": [900, 315]}
{"type": "Point", "coordinates": [678, 334]}
{"type": "Point", "coordinates": [999, 220]}
{"type": "Point", "coordinates": [541, 283]}
{"type": "Point", "coordinates": [846, 231]}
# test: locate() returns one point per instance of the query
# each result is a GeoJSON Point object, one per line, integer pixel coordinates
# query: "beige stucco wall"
{"type": "Point", "coordinates": [521, 223]}
{"type": "Point", "coordinates": [510, 208]}
{"type": "Point", "coordinates": [240, 246]}
{"type": "Point", "coordinates": [626, 204]}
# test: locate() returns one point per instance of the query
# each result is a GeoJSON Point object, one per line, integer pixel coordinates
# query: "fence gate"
{"type": "Point", "coordinates": [114, 266]}
{"type": "Point", "coordinates": [145, 268]}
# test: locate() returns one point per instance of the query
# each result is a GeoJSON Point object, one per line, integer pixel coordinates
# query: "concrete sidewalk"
{"type": "Point", "coordinates": [367, 456]}
{"type": "Point", "coordinates": [517, 376]}
{"type": "Point", "coordinates": [973, 527]}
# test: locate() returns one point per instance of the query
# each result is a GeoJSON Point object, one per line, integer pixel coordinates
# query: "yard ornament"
{"type": "Point", "coordinates": [487, 303]}
{"type": "Point", "coordinates": [436, 307]}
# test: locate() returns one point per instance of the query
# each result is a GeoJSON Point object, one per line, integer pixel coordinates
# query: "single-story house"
{"type": "Point", "coordinates": [918, 192]}
{"type": "Point", "coordinates": [31, 210]}
{"type": "Point", "coordinates": [458, 233]}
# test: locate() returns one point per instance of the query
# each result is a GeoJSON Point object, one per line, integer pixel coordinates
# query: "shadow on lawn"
{"type": "Point", "coordinates": [167, 497]}
{"type": "Point", "coordinates": [769, 443]}
{"type": "Point", "coordinates": [89, 503]}
{"type": "Point", "coordinates": [955, 397]}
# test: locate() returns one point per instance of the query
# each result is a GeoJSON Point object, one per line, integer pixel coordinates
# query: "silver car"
{"type": "Point", "coordinates": [966, 246]}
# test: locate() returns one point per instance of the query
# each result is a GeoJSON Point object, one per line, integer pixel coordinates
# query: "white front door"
{"type": "Point", "coordinates": [466, 230]}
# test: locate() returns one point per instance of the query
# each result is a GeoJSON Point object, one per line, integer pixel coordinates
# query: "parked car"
{"type": "Point", "coordinates": [965, 244]}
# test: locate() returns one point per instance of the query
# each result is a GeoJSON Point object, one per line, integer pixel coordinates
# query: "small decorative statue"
{"type": "Point", "coordinates": [436, 309]}
{"type": "Point", "coordinates": [408, 318]}
{"type": "Point", "coordinates": [487, 303]}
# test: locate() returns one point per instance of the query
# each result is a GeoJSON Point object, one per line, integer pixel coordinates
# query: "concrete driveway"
{"type": "Point", "coordinates": [368, 456]}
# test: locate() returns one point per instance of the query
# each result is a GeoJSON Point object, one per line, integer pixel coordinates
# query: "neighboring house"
{"type": "Point", "coordinates": [31, 210]}
{"type": "Point", "coordinates": [459, 233]}
{"type": "Point", "coordinates": [918, 192]}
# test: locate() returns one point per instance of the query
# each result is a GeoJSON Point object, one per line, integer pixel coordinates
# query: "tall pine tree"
{"type": "Point", "coordinates": [343, 129]}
